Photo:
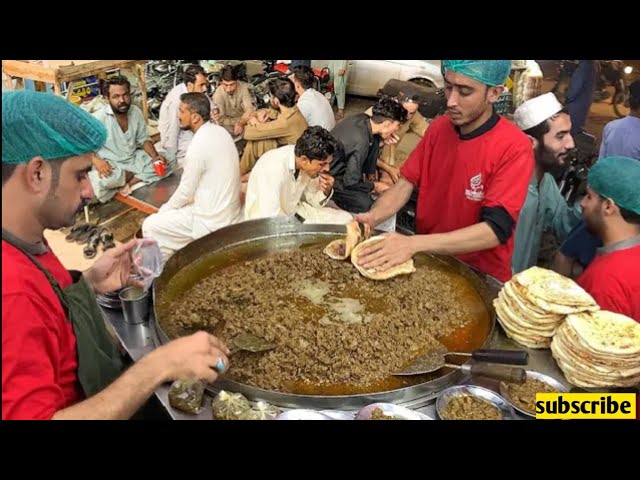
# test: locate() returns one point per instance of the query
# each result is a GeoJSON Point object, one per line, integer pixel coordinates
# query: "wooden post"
{"type": "Point", "coordinates": [142, 81]}
{"type": "Point", "coordinates": [9, 81]}
{"type": "Point", "coordinates": [56, 89]}
{"type": "Point", "coordinates": [70, 89]}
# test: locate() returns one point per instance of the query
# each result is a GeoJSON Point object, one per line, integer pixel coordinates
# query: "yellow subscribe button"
{"type": "Point", "coordinates": [586, 405]}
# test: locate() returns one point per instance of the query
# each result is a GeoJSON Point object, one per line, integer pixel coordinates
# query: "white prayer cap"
{"type": "Point", "coordinates": [536, 110]}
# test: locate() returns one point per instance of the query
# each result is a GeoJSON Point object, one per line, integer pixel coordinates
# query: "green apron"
{"type": "Point", "coordinates": [99, 360]}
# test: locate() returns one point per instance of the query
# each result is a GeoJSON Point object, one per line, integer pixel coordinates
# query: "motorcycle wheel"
{"type": "Point", "coordinates": [621, 105]}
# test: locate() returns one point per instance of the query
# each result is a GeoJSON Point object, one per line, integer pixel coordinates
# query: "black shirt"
{"type": "Point", "coordinates": [357, 153]}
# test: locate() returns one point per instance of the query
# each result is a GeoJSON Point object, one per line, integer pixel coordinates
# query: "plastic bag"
{"type": "Point", "coordinates": [148, 261]}
{"type": "Point", "coordinates": [261, 411]}
{"type": "Point", "coordinates": [187, 395]}
{"type": "Point", "coordinates": [229, 406]}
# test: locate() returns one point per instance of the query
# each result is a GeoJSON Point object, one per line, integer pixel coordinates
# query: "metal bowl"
{"type": "Point", "coordinates": [552, 382]}
{"type": "Point", "coordinates": [473, 390]}
{"type": "Point", "coordinates": [302, 414]}
{"type": "Point", "coordinates": [391, 410]}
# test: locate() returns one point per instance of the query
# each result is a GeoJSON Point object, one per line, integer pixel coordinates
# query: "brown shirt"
{"type": "Point", "coordinates": [285, 129]}
{"type": "Point", "coordinates": [233, 107]}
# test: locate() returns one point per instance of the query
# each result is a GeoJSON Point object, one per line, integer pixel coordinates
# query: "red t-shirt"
{"type": "Point", "coordinates": [457, 177]}
{"type": "Point", "coordinates": [39, 357]}
{"type": "Point", "coordinates": [613, 280]}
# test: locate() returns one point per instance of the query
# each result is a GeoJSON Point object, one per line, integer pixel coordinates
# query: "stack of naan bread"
{"type": "Point", "coordinates": [598, 349]}
{"type": "Point", "coordinates": [534, 303]}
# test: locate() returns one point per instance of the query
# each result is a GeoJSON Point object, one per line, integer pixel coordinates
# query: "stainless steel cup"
{"type": "Point", "coordinates": [135, 305]}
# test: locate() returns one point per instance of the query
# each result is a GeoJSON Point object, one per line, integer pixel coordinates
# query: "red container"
{"type": "Point", "coordinates": [158, 165]}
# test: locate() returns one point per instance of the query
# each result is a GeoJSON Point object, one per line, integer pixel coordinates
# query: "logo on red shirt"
{"type": "Point", "coordinates": [476, 192]}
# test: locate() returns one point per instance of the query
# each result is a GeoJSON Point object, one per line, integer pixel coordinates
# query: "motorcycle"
{"type": "Point", "coordinates": [572, 176]}
{"type": "Point", "coordinates": [612, 73]}
{"type": "Point", "coordinates": [615, 73]}
{"type": "Point", "coordinates": [279, 68]}
{"type": "Point", "coordinates": [214, 70]}
{"type": "Point", "coordinates": [161, 77]}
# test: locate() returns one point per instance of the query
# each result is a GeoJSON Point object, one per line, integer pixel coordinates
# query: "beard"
{"type": "Point", "coordinates": [121, 107]}
{"type": "Point", "coordinates": [593, 224]}
{"type": "Point", "coordinates": [546, 160]}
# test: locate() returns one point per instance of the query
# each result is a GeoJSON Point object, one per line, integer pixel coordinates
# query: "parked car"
{"type": "Point", "coordinates": [366, 77]}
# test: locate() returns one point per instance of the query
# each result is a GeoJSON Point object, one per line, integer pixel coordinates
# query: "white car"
{"type": "Point", "coordinates": [366, 77]}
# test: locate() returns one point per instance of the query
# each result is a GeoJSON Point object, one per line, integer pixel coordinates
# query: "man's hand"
{"type": "Point", "coordinates": [200, 356]}
{"type": "Point", "coordinates": [215, 115]}
{"type": "Point", "coordinates": [392, 139]}
{"type": "Point", "coordinates": [238, 128]}
{"type": "Point", "coordinates": [326, 183]}
{"type": "Point", "coordinates": [113, 269]}
{"type": "Point", "coordinates": [394, 250]}
{"type": "Point", "coordinates": [262, 116]}
{"type": "Point", "coordinates": [341, 72]}
{"type": "Point", "coordinates": [102, 166]}
{"type": "Point", "coordinates": [253, 121]}
{"type": "Point", "coordinates": [380, 187]}
{"type": "Point", "coordinates": [393, 172]}
{"type": "Point", "coordinates": [159, 157]}
{"type": "Point", "coordinates": [367, 219]}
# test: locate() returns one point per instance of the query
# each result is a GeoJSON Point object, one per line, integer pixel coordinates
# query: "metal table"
{"type": "Point", "coordinates": [150, 198]}
{"type": "Point", "coordinates": [138, 340]}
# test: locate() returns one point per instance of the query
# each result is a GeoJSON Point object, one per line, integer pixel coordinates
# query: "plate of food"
{"type": "Point", "coordinates": [303, 414]}
{"type": "Point", "coordinates": [389, 411]}
{"type": "Point", "coordinates": [470, 402]}
{"type": "Point", "coordinates": [523, 397]}
{"type": "Point", "coordinates": [339, 414]}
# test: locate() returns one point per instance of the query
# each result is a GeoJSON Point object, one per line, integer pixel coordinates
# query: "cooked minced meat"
{"type": "Point", "coordinates": [524, 396]}
{"type": "Point", "coordinates": [378, 414]}
{"type": "Point", "coordinates": [470, 407]}
{"type": "Point", "coordinates": [331, 325]}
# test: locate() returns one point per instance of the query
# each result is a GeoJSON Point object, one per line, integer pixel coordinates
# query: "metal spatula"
{"type": "Point", "coordinates": [251, 343]}
{"type": "Point", "coordinates": [435, 360]}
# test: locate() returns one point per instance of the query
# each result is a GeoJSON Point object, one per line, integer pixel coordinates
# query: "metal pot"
{"type": "Point", "coordinates": [253, 239]}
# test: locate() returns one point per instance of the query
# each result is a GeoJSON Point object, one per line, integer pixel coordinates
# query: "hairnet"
{"type": "Point", "coordinates": [617, 178]}
{"type": "Point", "coordinates": [490, 72]}
{"type": "Point", "coordinates": [42, 124]}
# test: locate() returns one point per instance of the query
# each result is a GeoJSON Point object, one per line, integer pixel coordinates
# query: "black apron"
{"type": "Point", "coordinates": [99, 360]}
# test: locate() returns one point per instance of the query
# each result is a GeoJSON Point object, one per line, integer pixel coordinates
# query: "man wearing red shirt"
{"type": "Point", "coordinates": [611, 210]}
{"type": "Point", "coordinates": [472, 171]}
{"type": "Point", "coordinates": [58, 360]}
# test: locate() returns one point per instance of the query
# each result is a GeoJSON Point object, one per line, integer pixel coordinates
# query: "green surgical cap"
{"type": "Point", "coordinates": [42, 124]}
{"type": "Point", "coordinates": [617, 178]}
{"type": "Point", "coordinates": [490, 72]}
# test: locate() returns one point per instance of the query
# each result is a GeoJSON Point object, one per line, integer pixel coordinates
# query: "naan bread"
{"type": "Point", "coordinates": [553, 288]}
{"type": "Point", "coordinates": [341, 249]}
{"type": "Point", "coordinates": [607, 332]}
{"type": "Point", "coordinates": [402, 269]}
